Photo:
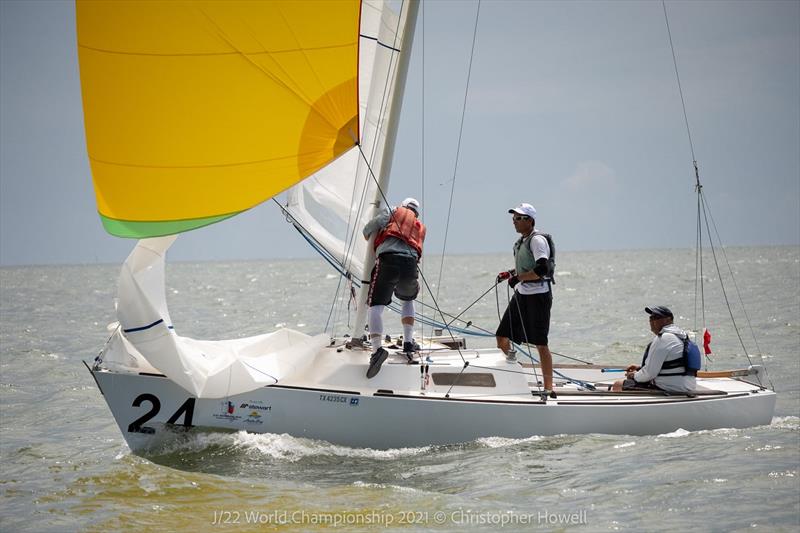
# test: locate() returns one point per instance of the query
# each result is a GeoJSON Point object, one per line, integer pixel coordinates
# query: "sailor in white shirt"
{"type": "Point", "coordinates": [663, 366]}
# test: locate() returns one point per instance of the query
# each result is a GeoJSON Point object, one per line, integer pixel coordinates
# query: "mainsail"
{"type": "Point", "coordinates": [197, 110]}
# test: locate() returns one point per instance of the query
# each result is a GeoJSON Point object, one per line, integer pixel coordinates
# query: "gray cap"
{"type": "Point", "coordinates": [659, 311]}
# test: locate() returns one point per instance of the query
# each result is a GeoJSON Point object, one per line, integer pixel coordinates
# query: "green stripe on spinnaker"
{"type": "Point", "coordinates": [142, 230]}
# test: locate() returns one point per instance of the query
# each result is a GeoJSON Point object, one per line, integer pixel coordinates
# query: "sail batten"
{"type": "Point", "coordinates": [198, 110]}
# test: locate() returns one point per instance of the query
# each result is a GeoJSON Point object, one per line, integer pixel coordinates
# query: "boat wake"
{"type": "Point", "coordinates": [284, 447]}
{"type": "Point", "coordinates": [288, 448]}
{"type": "Point", "coordinates": [786, 422]}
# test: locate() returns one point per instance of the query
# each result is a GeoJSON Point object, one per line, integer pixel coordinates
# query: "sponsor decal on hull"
{"type": "Point", "coordinates": [227, 411]}
{"type": "Point", "coordinates": [257, 411]}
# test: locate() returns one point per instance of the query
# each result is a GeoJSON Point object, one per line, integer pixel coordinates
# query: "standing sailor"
{"type": "Point", "coordinates": [398, 248]}
{"type": "Point", "coordinates": [527, 318]}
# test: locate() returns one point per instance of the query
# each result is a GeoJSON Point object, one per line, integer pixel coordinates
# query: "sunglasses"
{"type": "Point", "coordinates": [518, 218]}
{"type": "Point", "coordinates": [652, 318]}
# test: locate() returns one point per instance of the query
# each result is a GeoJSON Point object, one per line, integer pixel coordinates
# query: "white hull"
{"type": "Point", "coordinates": [336, 403]}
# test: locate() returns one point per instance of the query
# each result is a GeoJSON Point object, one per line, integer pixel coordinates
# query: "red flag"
{"type": "Point", "coordinates": [706, 342]}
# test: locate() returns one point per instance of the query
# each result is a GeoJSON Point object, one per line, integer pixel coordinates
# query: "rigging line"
{"type": "Point", "coordinates": [486, 333]}
{"type": "Point", "coordinates": [722, 286]}
{"type": "Point", "coordinates": [582, 383]}
{"type": "Point", "coordinates": [555, 372]}
{"type": "Point", "coordinates": [525, 336]}
{"type": "Point", "coordinates": [696, 259]}
{"type": "Point", "coordinates": [707, 210]}
{"type": "Point", "coordinates": [680, 88]}
{"type": "Point", "coordinates": [352, 230]}
{"type": "Point", "coordinates": [322, 251]}
{"type": "Point", "coordinates": [436, 304]}
{"type": "Point", "coordinates": [422, 142]}
{"type": "Point", "coordinates": [473, 303]}
{"type": "Point", "coordinates": [362, 198]}
{"type": "Point", "coordinates": [344, 274]}
{"type": "Point", "coordinates": [422, 274]}
{"type": "Point", "coordinates": [421, 317]}
{"type": "Point", "coordinates": [391, 71]}
{"type": "Point", "coordinates": [567, 379]}
{"type": "Point", "coordinates": [458, 148]}
{"type": "Point", "coordinates": [702, 270]}
{"type": "Point", "coordinates": [733, 278]}
{"type": "Point", "coordinates": [418, 316]}
{"type": "Point", "coordinates": [698, 186]}
{"type": "Point", "coordinates": [331, 260]}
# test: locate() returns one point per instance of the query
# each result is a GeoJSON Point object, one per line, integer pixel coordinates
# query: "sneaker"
{"type": "Point", "coordinates": [409, 349]}
{"type": "Point", "coordinates": [375, 362]}
{"type": "Point", "coordinates": [545, 394]}
{"type": "Point", "coordinates": [410, 346]}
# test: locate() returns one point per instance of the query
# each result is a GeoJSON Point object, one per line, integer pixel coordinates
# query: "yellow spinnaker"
{"type": "Point", "coordinates": [198, 110]}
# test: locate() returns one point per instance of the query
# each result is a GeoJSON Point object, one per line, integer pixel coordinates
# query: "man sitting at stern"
{"type": "Point", "coordinates": [664, 365]}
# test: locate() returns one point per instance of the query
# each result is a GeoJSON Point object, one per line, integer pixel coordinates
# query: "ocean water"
{"type": "Point", "coordinates": [65, 467]}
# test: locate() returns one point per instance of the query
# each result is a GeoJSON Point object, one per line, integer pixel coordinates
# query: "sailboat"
{"type": "Point", "coordinates": [228, 104]}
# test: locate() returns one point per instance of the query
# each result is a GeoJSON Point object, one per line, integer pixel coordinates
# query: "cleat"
{"type": "Point", "coordinates": [375, 362]}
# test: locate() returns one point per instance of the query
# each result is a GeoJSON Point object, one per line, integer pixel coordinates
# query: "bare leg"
{"type": "Point", "coordinates": [617, 386]}
{"type": "Point", "coordinates": [504, 343]}
{"type": "Point", "coordinates": [546, 360]}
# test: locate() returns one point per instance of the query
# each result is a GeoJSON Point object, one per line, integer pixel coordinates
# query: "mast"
{"type": "Point", "coordinates": [395, 105]}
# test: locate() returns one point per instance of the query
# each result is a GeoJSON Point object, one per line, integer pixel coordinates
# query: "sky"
{"type": "Point", "coordinates": [570, 106]}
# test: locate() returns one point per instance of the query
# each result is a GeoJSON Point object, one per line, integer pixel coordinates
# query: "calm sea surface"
{"type": "Point", "coordinates": [65, 467]}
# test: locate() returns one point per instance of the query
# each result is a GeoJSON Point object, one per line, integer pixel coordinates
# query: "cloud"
{"type": "Point", "coordinates": [591, 175]}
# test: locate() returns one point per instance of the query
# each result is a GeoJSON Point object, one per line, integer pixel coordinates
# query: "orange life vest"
{"type": "Point", "coordinates": [405, 226]}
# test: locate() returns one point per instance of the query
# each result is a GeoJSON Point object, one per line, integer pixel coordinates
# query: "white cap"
{"type": "Point", "coordinates": [524, 209]}
{"type": "Point", "coordinates": [411, 203]}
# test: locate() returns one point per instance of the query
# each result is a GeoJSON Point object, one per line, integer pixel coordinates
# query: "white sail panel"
{"type": "Point", "coordinates": [206, 369]}
{"type": "Point", "coordinates": [334, 204]}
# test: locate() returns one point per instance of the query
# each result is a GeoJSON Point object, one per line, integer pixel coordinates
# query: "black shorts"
{"type": "Point", "coordinates": [393, 273]}
{"type": "Point", "coordinates": [527, 319]}
{"type": "Point", "coordinates": [632, 384]}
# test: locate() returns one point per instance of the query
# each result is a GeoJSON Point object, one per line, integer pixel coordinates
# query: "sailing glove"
{"type": "Point", "coordinates": [502, 276]}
